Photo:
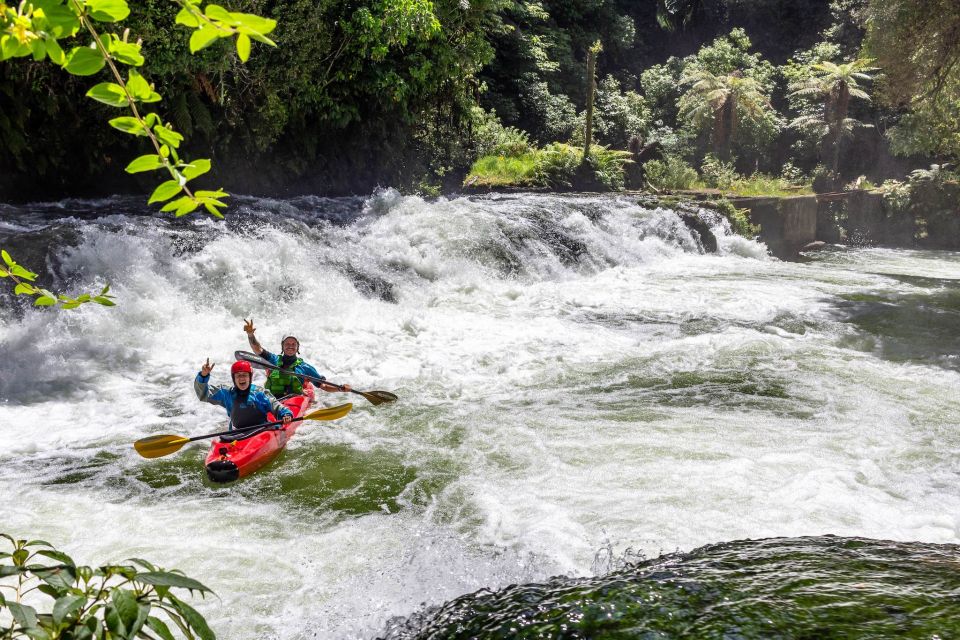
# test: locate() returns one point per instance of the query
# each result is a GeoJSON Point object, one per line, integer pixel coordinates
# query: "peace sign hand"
{"type": "Point", "coordinates": [206, 368]}
{"type": "Point", "coordinates": [248, 326]}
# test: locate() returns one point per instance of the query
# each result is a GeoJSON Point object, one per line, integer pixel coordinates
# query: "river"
{"type": "Point", "coordinates": [581, 388]}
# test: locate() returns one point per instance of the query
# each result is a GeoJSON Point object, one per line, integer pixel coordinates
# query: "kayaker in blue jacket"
{"type": "Point", "coordinates": [284, 384]}
{"type": "Point", "coordinates": [246, 404]}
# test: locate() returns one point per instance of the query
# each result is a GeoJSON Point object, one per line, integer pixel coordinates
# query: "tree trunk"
{"type": "Point", "coordinates": [591, 87]}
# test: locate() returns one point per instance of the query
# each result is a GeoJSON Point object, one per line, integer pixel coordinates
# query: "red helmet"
{"type": "Point", "coordinates": [241, 366]}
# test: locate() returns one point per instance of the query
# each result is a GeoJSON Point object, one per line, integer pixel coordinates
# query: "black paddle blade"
{"type": "Point", "coordinates": [378, 397]}
{"type": "Point", "coordinates": [255, 361]}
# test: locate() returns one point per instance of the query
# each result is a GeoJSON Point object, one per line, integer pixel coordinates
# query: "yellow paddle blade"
{"type": "Point", "coordinates": [330, 413]}
{"type": "Point", "coordinates": [158, 446]}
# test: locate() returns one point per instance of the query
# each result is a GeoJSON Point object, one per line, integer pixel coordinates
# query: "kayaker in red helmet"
{"type": "Point", "coordinates": [284, 384]}
{"type": "Point", "coordinates": [245, 403]}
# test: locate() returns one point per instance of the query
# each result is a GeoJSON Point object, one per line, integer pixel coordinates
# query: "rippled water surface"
{"type": "Point", "coordinates": [580, 385]}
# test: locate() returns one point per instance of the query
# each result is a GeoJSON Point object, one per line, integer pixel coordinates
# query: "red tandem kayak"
{"type": "Point", "coordinates": [229, 459]}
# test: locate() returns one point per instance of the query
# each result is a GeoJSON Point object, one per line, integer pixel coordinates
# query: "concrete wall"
{"type": "Point", "coordinates": [786, 224]}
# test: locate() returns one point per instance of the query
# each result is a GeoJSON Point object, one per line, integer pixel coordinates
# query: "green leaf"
{"type": "Point", "coordinates": [20, 557]}
{"type": "Point", "coordinates": [187, 19]}
{"type": "Point", "coordinates": [67, 605]}
{"type": "Point", "coordinates": [84, 61]}
{"type": "Point", "coordinates": [254, 22]}
{"type": "Point", "coordinates": [194, 619]}
{"type": "Point", "coordinates": [128, 124]}
{"type": "Point", "coordinates": [149, 162]}
{"type": "Point", "coordinates": [140, 89]}
{"type": "Point", "coordinates": [113, 622]}
{"type": "Point", "coordinates": [107, 302]}
{"type": "Point", "coordinates": [219, 193]}
{"type": "Point", "coordinates": [160, 628]}
{"type": "Point", "coordinates": [243, 47]}
{"type": "Point", "coordinates": [165, 191]}
{"type": "Point", "coordinates": [20, 272]}
{"type": "Point", "coordinates": [256, 36]}
{"type": "Point", "coordinates": [126, 605]}
{"type": "Point", "coordinates": [212, 210]}
{"type": "Point", "coordinates": [108, 93]}
{"type": "Point", "coordinates": [54, 52]}
{"type": "Point", "coordinates": [7, 258]}
{"type": "Point", "coordinates": [203, 37]}
{"type": "Point", "coordinates": [108, 10]}
{"type": "Point", "coordinates": [44, 301]}
{"type": "Point", "coordinates": [60, 20]}
{"type": "Point", "coordinates": [24, 615]}
{"type": "Point", "coordinates": [7, 570]}
{"type": "Point", "coordinates": [57, 577]}
{"type": "Point", "coordinates": [59, 556]}
{"type": "Point", "coordinates": [106, 289]}
{"type": "Point", "coordinates": [4, 273]}
{"type": "Point", "coordinates": [196, 168]}
{"type": "Point", "coordinates": [23, 288]}
{"type": "Point", "coordinates": [125, 52]}
{"type": "Point", "coordinates": [218, 13]}
{"type": "Point", "coordinates": [39, 49]}
{"type": "Point", "coordinates": [168, 136]}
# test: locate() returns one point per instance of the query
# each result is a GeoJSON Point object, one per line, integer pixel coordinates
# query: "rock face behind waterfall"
{"type": "Point", "coordinates": [695, 223]}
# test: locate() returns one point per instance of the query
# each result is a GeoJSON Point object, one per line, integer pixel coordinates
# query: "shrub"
{"type": "Point", "coordinates": [491, 138]}
{"type": "Point", "coordinates": [113, 601]}
{"type": "Point", "coordinates": [670, 173]}
{"type": "Point", "coordinates": [607, 165]}
{"type": "Point", "coordinates": [556, 164]}
{"type": "Point", "coordinates": [717, 173]}
{"type": "Point", "coordinates": [739, 219]}
{"type": "Point", "coordinates": [494, 171]}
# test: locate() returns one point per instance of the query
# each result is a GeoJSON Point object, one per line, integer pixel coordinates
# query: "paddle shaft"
{"type": "Point", "coordinates": [267, 365]}
{"type": "Point", "coordinates": [243, 429]}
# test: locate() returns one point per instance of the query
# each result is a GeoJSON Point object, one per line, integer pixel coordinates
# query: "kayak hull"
{"type": "Point", "coordinates": [229, 460]}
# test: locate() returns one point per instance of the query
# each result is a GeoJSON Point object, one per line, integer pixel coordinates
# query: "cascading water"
{"type": "Point", "coordinates": [576, 379]}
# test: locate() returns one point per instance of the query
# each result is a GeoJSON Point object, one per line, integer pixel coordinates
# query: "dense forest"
{"type": "Point", "coordinates": [410, 93]}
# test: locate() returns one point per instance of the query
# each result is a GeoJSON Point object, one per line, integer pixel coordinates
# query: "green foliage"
{"type": "Point", "coordinates": [917, 44]}
{"type": "Point", "coordinates": [718, 174]}
{"type": "Point", "coordinates": [36, 28]}
{"type": "Point", "coordinates": [491, 138]}
{"type": "Point", "coordinates": [607, 165]}
{"type": "Point", "coordinates": [501, 171]}
{"type": "Point", "coordinates": [739, 219]}
{"type": "Point", "coordinates": [556, 165]}
{"type": "Point", "coordinates": [111, 601]}
{"type": "Point", "coordinates": [43, 297]}
{"type": "Point", "coordinates": [727, 96]}
{"type": "Point", "coordinates": [618, 117]}
{"type": "Point", "coordinates": [670, 173]}
{"type": "Point", "coordinates": [832, 86]}
{"type": "Point", "coordinates": [760, 184]}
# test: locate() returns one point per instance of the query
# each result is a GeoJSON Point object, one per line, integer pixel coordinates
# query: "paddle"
{"type": "Point", "coordinates": [159, 446]}
{"type": "Point", "coordinates": [375, 397]}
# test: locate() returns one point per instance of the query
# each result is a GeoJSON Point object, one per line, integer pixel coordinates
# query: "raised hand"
{"type": "Point", "coordinates": [248, 326]}
{"type": "Point", "coordinates": [206, 368]}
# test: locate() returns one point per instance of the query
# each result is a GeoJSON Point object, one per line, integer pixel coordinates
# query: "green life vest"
{"type": "Point", "coordinates": [283, 384]}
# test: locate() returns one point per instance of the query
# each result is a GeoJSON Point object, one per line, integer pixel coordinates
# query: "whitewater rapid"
{"type": "Point", "coordinates": [578, 381]}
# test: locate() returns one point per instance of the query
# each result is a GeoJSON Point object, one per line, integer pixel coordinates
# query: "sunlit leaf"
{"type": "Point", "coordinates": [108, 10]}
{"type": "Point", "coordinates": [128, 124]}
{"type": "Point", "coordinates": [165, 191]}
{"type": "Point", "coordinates": [84, 61]}
{"type": "Point", "coordinates": [149, 162]}
{"type": "Point", "coordinates": [203, 37]}
{"type": "Point", "coordinates": [108, 93]}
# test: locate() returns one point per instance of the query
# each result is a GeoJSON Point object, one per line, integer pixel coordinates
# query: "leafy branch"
{"type": "Point", "coordinates": [45, 298]}
{"type": "Point", "coordinates": [36, 27]}
{"type": "Point", "coordinates": [110, 601]}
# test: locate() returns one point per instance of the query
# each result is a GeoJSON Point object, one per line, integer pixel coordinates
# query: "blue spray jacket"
{"type": "Point", "coordinates": [226, 397]}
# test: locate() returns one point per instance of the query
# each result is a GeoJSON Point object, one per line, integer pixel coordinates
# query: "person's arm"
{"type": "Point", "coordinates": [201, 385]}
{"type": "Point", "coordinates": [207, 392]}
{"type": "Point", "coordinates": [310, 370]}
{"type": "Point", "coordinates": [268, 402]}
{"type": "Point", "coordinates": [251, 337]}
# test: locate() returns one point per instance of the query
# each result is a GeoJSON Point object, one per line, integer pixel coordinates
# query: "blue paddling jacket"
{"type": "Point", "coordinates": [243, 413]}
